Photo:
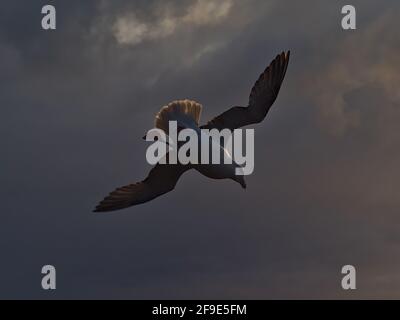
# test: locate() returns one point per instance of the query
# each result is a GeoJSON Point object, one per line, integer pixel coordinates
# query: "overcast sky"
{"type": "Point", "coordinates": [76, 101]}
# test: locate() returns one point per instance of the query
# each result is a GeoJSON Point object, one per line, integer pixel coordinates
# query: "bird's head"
{"type": "Point", "coordinates": [240, 179]}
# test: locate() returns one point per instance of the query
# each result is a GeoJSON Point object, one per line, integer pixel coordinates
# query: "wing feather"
{"type": "Point", "coordinates": [161, 179]}
{"type": "Point", "coordinates": [262, 96]}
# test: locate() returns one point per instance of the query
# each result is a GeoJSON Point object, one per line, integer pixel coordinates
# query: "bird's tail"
{"type": "Point", "coordinates": [185, 112]}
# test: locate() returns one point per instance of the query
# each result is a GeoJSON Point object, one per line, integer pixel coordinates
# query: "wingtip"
{"type": "Point", "coordinates": [285, 54]}
{"type": "Point", "coordinates": [98, 209]}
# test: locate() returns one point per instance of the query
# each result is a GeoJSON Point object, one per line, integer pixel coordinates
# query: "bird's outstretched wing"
{"type": "Point", "coordinates": [262, 96]}
{"type": "Point", "coordinates": [161, 179]}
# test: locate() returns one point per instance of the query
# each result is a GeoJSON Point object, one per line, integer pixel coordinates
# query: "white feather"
{"type": "Point", "coordinates": [185, 112]}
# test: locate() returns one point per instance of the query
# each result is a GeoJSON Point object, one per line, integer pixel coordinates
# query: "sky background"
{"type": "Point", "coordinates": [76, 101]}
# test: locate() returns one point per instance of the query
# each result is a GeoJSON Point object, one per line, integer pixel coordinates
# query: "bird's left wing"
{"type": "Point", "coordinates": [161, 179]}
{"type": "Point", "coordinates": [262, 96]}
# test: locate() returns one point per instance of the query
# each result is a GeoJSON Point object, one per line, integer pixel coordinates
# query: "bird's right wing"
{"type": "Point", "coordinates": [161, 179]}
{"type": "Point", "coordinates": [262, 96]}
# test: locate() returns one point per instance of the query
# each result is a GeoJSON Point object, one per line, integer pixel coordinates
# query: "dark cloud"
{"type": "Point", "coordinates": [76, 101]}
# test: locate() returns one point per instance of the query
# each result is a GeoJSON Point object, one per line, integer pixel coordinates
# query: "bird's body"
{"type": "Point", "coordinates": [163, 177]}
{"type": "Point", "coordinates": [223, 170]}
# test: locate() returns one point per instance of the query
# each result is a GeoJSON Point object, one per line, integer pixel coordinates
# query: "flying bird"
{"type": "Point", "coordinates": [163, 178]}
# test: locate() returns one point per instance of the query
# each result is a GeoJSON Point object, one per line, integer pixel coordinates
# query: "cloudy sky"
{"type": "Point", "coordinates": [76, 101]}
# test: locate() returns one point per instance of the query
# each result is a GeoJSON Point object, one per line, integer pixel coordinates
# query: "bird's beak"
{"type": "Point", "coordinates": [144, 138]}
